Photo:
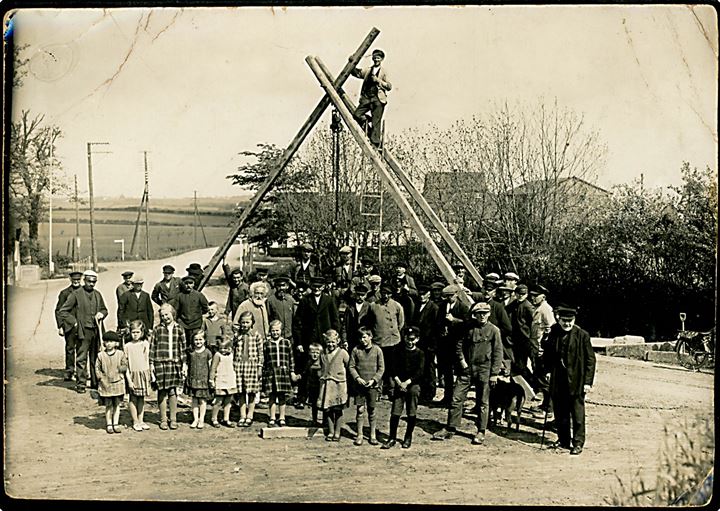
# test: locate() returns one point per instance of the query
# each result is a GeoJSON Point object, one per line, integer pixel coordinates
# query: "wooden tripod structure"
{"type": "Point", "coordinates": [386, 165]}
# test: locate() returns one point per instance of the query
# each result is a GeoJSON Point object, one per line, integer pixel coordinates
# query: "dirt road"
{"type": "Point", "coordinates": [56, 445]}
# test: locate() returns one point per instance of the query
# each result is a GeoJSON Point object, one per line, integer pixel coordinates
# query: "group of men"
{"type": "Point", "coordinates": [470, 337]}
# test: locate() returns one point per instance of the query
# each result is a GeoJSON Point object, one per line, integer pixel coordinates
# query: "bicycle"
{"type": "Point", "coordinates": [695, 349]}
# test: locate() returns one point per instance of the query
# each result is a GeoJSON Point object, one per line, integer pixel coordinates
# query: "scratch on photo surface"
{"type": "Point", "coordinates": [130, 51]}
{"type": "Point", "coordinates": [175, 16]}
{"type": "Point", "coordinates": [702, 29]}
{"type": "Point", "coordinates": [632, 48]}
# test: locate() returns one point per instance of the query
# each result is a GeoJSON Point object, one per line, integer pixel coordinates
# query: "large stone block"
{"type": "Point", "coordinates": [663, 357]}
{"type": "Point", "coordinates": [636, 351]}
{"type": "Point", "coordinates": [27, 275]}
{"type": "Point", "coordinates": [629, 339]}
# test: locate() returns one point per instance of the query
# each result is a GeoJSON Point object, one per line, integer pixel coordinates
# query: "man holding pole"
{"type": "Point", "coordinates": [373, 95]}
{"type": "Point", "coordinates": [81, 315]}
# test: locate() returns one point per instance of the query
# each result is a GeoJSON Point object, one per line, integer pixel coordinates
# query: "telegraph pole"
{"type": "Point", "coordinates": [93, 249]}
{"type": "Point", "coordinates": [76, 244]}
{"type": "Point", "coordinates": [195, 218]}
{"type": "Point", "coordinates": [51, 265]}
{"type": "Point", "coordinates": [147, 210]}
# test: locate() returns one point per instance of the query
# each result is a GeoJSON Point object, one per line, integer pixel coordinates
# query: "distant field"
{"type": "Point", "coordinates": [164, 240]}
{"type": "Point", "coordinates": [129, 217]}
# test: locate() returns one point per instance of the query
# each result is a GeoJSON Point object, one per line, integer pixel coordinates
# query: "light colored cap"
{"type": "Point", "coordinates": [511, 276]}
{"type": "Point", "coordinates": [450, 290]}
{"type": "Point", "coordinates": [481, 307]}
{"type": "Point", "coordinates": [137, 278]}
{"type": "Point", "coordinates": [89, 273]}
{"type": "Point", "coordinates": [345, 250]}
{"type": "Point", "coordinates": [374, 279]}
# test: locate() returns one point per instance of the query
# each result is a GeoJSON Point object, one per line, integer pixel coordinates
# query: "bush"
{"type": "Point", "coordinates": [686, 464]}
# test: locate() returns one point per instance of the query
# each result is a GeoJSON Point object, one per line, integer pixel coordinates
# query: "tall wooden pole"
{"type": "Point", "coordinates": [195, 218]}
{"type": "Point", "coordinates": [93, 249]}
{"type": "Point", "coordinates": [147, 209]}
{"type": "Point", "coordinates": [392, 187]}
{"type": "Point", "coordinates": [285, 158]}
{"type": "Point", "coordinates": [76, 244]}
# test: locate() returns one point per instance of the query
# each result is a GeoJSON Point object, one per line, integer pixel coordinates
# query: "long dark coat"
{"type": "Point", "coordinates": [312, 320]}
{"type": "Point", "coordinates": [130, 308]}
{"type": "Point", "coordinates": [580, 359]}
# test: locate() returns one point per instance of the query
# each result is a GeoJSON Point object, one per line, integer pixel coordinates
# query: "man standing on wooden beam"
{"type": "Point", "coordinates": [373, 95]}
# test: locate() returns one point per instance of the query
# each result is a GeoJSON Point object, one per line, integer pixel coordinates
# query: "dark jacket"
{"type": "Point", "coordinates": [449, 333]}
{"type": "Point", "coordinates": [130, 307]}
{"type": "Point", "coordinates": [236, 294]}
{"type": "Point", "coordinates": [499, 318]}
{"type": "Point", "coordinates": [190, 308]}
{"type": "Point", "coordinates": [299, 274]}
{"type": "Point", "coordinates": [481, 348]}
{"type": "Point", "coordinates": [312, 320]}
{"type": "Point", "coordinates": [352, 321]}
{"type": "Point", "coordinates": [61, 301]}
{"type": "Point", "coordinates": [79, 310]}
{"type": "Point", "coordinates": [428, 322]}
{"type": "Point", "coordinates": [521, 318]}
{"type": "Point", "coordinates": [164, 292]}
{"type": "Point", "coordinates": [578, 368]}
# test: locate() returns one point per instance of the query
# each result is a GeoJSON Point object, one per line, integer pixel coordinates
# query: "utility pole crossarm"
{"type": "Point", "coordinates": [285, 158]}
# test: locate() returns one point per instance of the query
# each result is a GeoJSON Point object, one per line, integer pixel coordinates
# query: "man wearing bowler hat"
{"type": "Point", "coordinates": [196, 271]}
{"type": "Point", "coordinates": [72, 344]}
{"type": "Point", "coordinates": [316, 314]}
{"type": "Point", "coordinates": [570, 359]}
{"type": "Point", "coordinates": [125, 286]}
{"type": "Point", "coordinates": [373, 95]}
{"type": "Point", "coordinates": [190, 306]}
{"type": "Point", "coordinates": [168, 288]}
{"type": "Point", "coordinates": [81, 314]}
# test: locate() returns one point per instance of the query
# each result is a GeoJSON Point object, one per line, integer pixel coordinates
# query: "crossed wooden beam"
{"type": "Point", "coordinates": [385, 163]}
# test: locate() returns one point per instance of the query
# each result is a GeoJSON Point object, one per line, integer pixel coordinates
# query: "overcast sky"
{"type": "Point", "coordinates": [196, 86]}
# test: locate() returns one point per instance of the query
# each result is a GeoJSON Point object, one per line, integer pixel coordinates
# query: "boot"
{"type": "Point", "coordinates": [394, 422]}
{"type": "Point", "coordinates": [407, 442]}
{"type": "Point", "coordinates": [372, 419]}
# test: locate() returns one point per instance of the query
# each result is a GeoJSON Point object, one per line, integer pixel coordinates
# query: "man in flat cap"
{"type": "Point", "coordinates": [168, 288]}
{"type": "Point", "coordinates": [135, 304]}
{"type": "Point", "coordinates": [305, 269]}
{"type": "Point", "coordinates": [238, 290]}
{"type": "Point", "coordinates": [451, 315]}
{"type": "Point", "coordinates": [343, 272]}
{"type": "Point", "coordinates": [72, 344]}
{"type": "Point", "coordinates": [386, 319]}
{"type": "Point", "coordinates": [479, 355]}
{"type": "Point", "coordinates": [521, 318]}
{"type": "Point", "coordinates": [373, 95]}
{"type": "Point", "coordinates": [571, 361]}
{"type": "Point", "coordinates": [374, 282]}
{"type": "Point", "coordinates": [125, 286]}
{"type": "Point", "coordinates": [81, 313]}
{"type": "Point", "coordinates": [543, 320]}
{"type": "Point", "coordinates": [190, 306]}
{"type": "Point", "coordinates": [355, 315]}
{"type": "Point", "coordinates": [498, 316]}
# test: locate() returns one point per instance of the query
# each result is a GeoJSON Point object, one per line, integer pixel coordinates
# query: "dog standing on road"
{"type": "Point", "coordinates": [505, 397]}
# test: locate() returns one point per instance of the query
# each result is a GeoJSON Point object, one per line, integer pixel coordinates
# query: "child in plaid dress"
{"type": "Point", "coordinates": [197, 383]}
{"type": "Point", "coordinates": [248, 361]}
{"type": "Point", "coordinates": [166, 352]}
{"type": "Point", "coordinates": [278, 371]}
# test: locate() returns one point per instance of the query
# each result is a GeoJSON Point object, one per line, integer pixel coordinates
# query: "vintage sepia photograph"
{"type": "Point", "coordinates": [440, 255]}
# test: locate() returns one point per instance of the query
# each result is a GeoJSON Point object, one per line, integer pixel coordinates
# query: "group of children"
{"type": "Point", "coordinates": [237, 365]}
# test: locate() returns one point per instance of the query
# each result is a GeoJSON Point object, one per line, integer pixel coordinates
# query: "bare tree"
{"type": "Point", "coordinates": [32, 159]}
